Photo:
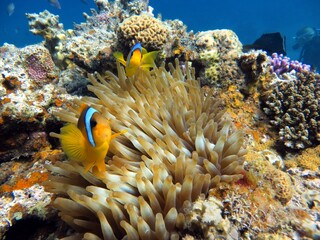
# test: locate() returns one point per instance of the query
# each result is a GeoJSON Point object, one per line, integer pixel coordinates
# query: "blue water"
{"type": "Point", "coordinates": [248, 18]}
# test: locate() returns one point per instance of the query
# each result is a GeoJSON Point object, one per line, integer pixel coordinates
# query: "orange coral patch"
{"type": "Point", "coordinates": [58, 102]}
{"type": "Point", "coordinates": [35, 177]}
{"type": "Point", "coordinates": [11, 83]}
{"type": "Point", "coordinates": [51, 155]}
{"type": "Point", "coordinates": [5, 100]}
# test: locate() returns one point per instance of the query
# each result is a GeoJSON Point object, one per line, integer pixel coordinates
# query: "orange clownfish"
{"type": "Point", "coordinates": [138, 58]}
{"type": "Point", "coordinates": [89, 140]}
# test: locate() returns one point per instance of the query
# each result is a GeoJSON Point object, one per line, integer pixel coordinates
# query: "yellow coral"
{"type": "Point", "coordinates": [211, 72]}
{"type": "Point", "coordinates": [210, 59]}
{"type": "Point", "coordinates": [233, 97]}
{"type": "Point", "coordinates": [281, 184]}
{"type": "Point", "coordinates": [209, 55]}
{"type": "Point", "coordinates": [277, 181]}
{"type": "Point", "coordinates": [309, 159]}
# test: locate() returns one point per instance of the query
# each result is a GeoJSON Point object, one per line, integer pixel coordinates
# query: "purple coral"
{"type": "Point", "coordinates": [35, 68]}
{"type": "Point", "coordinates": [282, 64]}
{"type": "Point", "coordinates": [103, 17]}
{"type": "Point", "coordinates": [39, 65]}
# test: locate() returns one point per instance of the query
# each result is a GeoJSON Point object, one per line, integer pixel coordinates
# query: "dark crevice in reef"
{"type": "Point", "coordinates": [34, 228]}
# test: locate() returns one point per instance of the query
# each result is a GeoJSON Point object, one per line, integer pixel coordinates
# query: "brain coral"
{"type": "Point", "coordinates": [293, 108]}
{"type": "Point", "coordinates": [151, 32]}
{"type": "Point", "coordinates": [179, 144]}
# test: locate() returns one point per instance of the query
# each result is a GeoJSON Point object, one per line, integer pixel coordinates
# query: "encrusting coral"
{"type": "Point", "coordinates": [39, 65]}
{"type": "Point", "coordinates": [222, 71]}
{"type": "Point", "coordinates": [179, 144]}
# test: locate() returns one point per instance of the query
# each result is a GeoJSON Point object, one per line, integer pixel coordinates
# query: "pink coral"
{"type": "Point", "coordinates": [39, 65]}
{"type": "Point", "coordinates": [35, 69]}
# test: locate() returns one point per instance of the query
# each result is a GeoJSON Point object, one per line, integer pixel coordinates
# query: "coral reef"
{"type": "Point", "coordinates": [21, 196]}
{"type": "Point", "coordinates": [293, 108]}
{"type": "Point", "coordinates": [39, 65]}
{"type": "Point", "coordinates": [288, 92]}
{"type": "Point", "coordinates": [27, 91]}
{"type": "Point", "coordinates": [47, 25]}
{"type": "Point", "coordinates": [171, 174]}
{"type": "Point", "coordinates": [178, 145]}
{"type": "Point", "coordinates": [205, 217]}
{"type": "Point", "coordinates": [253, 64]}
{"type": "Point", "coordinates": [91, 43]}
{"type": "Point", "coordinates": [19, 205]}
{"type": "Point", "coordinates": [277, 181]}
{"type": "Point", "coordinates": [117, 25]}
{"type": "Point", "coordinates": [307, 159]}
{"type": "Point", "coordinates": [88, 45]}
{"type": "Point", "coordinates": [221, 67]}
{"type": "Point", "coordinates": [146, 29]}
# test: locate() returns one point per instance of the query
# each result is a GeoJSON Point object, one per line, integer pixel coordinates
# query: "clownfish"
{"type": "Point", "coordinates": [88, 141]}
{"type": "Point", "coordinates": [138, 58]}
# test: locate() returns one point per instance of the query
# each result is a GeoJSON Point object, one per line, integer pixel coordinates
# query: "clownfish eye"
{"type": "Point", "coordinates": [93, 123]}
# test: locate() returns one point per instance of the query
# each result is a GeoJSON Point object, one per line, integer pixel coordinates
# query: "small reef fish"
{"type": "Point", "coordinates": [138, 58]}
{"type": "Point", "coordinates": [55, 3]}
{"type": "Point", "coordinates": [88, 141]}
{"type": "Point", "coordinates": [10, 8]}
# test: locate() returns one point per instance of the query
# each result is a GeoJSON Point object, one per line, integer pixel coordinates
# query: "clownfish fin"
{"type": "Point", "coordinates": [130, 71]}
{"type": "Point", "coordinates": [144, 51]}
{"type": "Point", "coordinates": [72, 142]}
{"type": "Point", "coordinates": [120, 58]}
{"type": "Point", "coordinates": [148, 59]}
{"type": "Point", "coordinates": [88, 164]}
{"type": "Point", "coordinates": [99, 169]}
{"type": "Point", "coordinates": [100, 166]}
{"type": "Point", "coordinates": [113, 136]}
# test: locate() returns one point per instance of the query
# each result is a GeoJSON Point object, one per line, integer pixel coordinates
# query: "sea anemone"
{"type": "Point", "coordinates": [179, 144]}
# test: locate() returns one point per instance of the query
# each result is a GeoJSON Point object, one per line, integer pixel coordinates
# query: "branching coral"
{"type": "Point", "coordinates": [47, 25]}
{"type": "Point", "coordinates": [179, 144]}
{"type": "Point", "coordinates": [293, 108]}
{"type": "Point", "coordinates": [282, 64]}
